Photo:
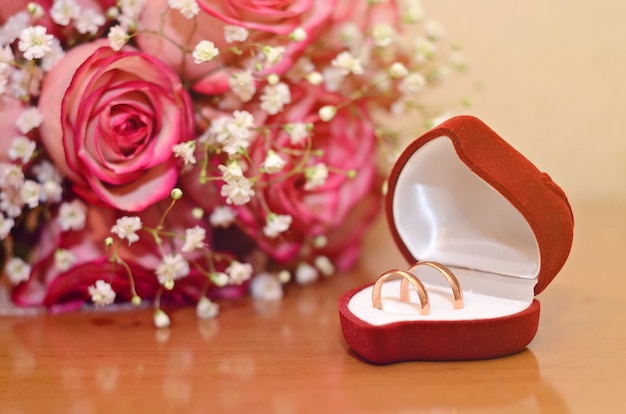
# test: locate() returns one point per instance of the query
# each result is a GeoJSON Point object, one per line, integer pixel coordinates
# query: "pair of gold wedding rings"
{"type": "Point", "coordinates": [409, 278]}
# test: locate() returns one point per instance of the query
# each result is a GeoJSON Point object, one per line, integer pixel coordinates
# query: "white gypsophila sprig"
{"type": "Point", "coordinates": [185, 151]}
{"type": "Point", "coordinates": [72, 215]}
{"type": "Point", "coordinates": [272, 54]}
{"type": "Point", "coordinates": [205, 51]}
{"type": "Point", "coordinates": [325, 265]}
{"type": "Point", "coordinates": [64, 259]}
{"type": "Point", "coordinates": [22, 149]}
{"type": "Point", "coordinates": [13, 27]}
{"type": "Point", "coordinates": [29, 119]}
{"type": "Point", "coordinates": [347, 64]}
{"type": "Point", "coordinates": [89, 22]}
{"type": "Point", "coordinates": [298, 132]}
{"type": "Point", "coordinates": [35, 42]}
{"type": "Point", "coordinates": [239, 272]}
{"type": "Point", "coordinates": [30, 192]}
{"type": "Point", "coordinates": [412, 83]}
{"type": "Point", "coordinates": [64, 11]}
{"type": "Point", "coordinates": [11, 176]}
{"type": "Point", "coordinates": [275, 97]}
{"type": "Point", "coordinates": [276, 224]}
{"type": "Point", "coordinates": [194, 239]}
{"type": "Point", "coordinates": [238, 191]}
{"type": "Point", "coordinates": [53, 56]}
{"type": "Point", "coordinates": [383, 34]}
{"type": "Point", "coordinates": [102, 293]}
{"type": "Point", "coordinates": [188, 8]}
{"type": "Point", "coordinates": [206, 309]}
{"type": "Point", "coordinates": [11, 201]}
{"type": "Point", "coordinates": [127, 227]}
{"type": "Point", "coordinates": [235, 34]}
{"type": "Point", "coordinates": [316, 176]}
{"type": "Point", "coordinates": [273, 162]}
{"type": "Point", "coordinates": [6, 225]}
{"type": "Point", "coordinates": [118, 37]}
{"type": "Point", "coordinates": [306, 274]}
{"type": "Point", "coordinates": [266, 287]}
{"type": "Point", "coordinates": [172, 268]}
{"type": "Point", "coordinates": [222, 216]}
{"type": "Point", "coordinates": [242, 84]}
{"type": "Point", "coordinates": [17, 270]}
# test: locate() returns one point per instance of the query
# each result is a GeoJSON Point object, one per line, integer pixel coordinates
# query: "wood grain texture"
{"type": "Point", "coordinates": [290, 357]}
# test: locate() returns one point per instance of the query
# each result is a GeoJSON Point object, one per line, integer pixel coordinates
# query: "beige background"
{"type": "Point", "coordinates": [551, 76]}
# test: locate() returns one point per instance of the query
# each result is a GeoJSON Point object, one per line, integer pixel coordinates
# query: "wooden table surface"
{"type": "Point", "coordinates": [290, 357]}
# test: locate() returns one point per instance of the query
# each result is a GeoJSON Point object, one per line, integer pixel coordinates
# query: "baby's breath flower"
{"type": "Point", "coordinates": [63, 259]}
{"type": "Point", "coordinates": [315, 78]}
{"type": "Point", "coordinates": [185, 150]}
{"type": "Point", "coordinates": [231, 172]}
{"type": "Point", "coordinates": [297, 132]}
{"type": "Point", "coordinates": [222, 216]}
{"type": "Point", "coordinates": [118, 36]}
{"type": "Point", "coordinates": [235, 34]}
{"type": "Point", "coordinates": [242, 84]}
{"type": "Point", "coordinates": [333, 78]}
{"type": "Point", "coordinates": [35, 10]}
{"type": "Point", "coordinates": [239, 272]}
{"type": "Point", "coordinates": [205, 51]}
{"type": "Point", "coordinates": [284, 276]}
{"type": "Point", "coordinates": [29, 119]}
{"type": "Point", "coordinates": [273, 54]}
{"type": "Point", "coordinates": [347, 63]}
{"type": "Point", "coordinates": [176, 193]}
{"type": "Point", "coordinates": [51, 57]}
{"type": "Point", "coordinates": [102, 293]}
{"type": "Point", "coordinates": [382, 34]}
{"type": "Point", "coordinates": [434, 30]}
{"type": "Point", "coordinates": [276, 224]}
{"type": "Point", "coordinates": [11, 202]}
{"type": "Point", "coordinates": [51, 191]}
{"type": "Point", "coordinates": [273, 79]}
{"type": "Point", "coordinates": [17, 270]}
{"type": "Point", "coordinates": [237, 191]}
{"type": "Point", "coordinates": [63, 11]}
{"type": "Point", "coordinates": [275, 97]}
{"type": "Point", "coordinates": [324, 265]}
{"type": "Point", "coordinates": [412, 83]}
{"type": "Point", "coordinates": [173, 267]}
{"type": "Point", "coordinates": [298, 34]}
{"type": "Point", "coordinates": [398, 70]}
{"type": "Point", "coordinates": [351, 35]}
{"type": "Point", "coordinates": [205, 309]}
{"type": "Point", "coordinates": [160, 319]}
{"type": "Point", "coordinates": [21, 149]}
{"type": "Point", "coordinates": [273, 162]}
{"type": "Point", "coordinates": [72, 215]}
{"type": "Point", "coordinates": [194, 239]}
{"type": "Point", "coordinates": [188, 8]}
{"type": "Point", "coordinates": [35, 42]}
{"type": "Point", "coordinates": [327, 112]}
{"type": "Point", "coordinates": [306, 274]}
{"type": "Point", "coordinates": [6, 225]}
{"type": "Point", "coordinates": [30, 193]}
{"type": "Point", "coordinates": [424, 49]}
{"type": "Point", "coordinates": [89, 22]}
{"type": "Point", "coordinates": [315, 176]}
{"type": "Point", "coordinates": [411, 11]}
{"type": "Point", "coordinates": [266, 287]}
{"type": "Point", "coordinates": [220, 279]}
{"type": "Point", "coordinates": [13, 26]}
{"type": "Point", "coordinates": [127, 227]}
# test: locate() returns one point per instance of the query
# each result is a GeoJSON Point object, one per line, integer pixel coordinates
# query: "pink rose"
{"type": "Point", "coordinates": [110, 122]}
{"type": "Point", "coordinates": [341, 206]}
{"type": "Point", "coordinates": [264, 21]}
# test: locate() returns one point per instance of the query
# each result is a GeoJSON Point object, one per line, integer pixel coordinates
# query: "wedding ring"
{"type": "Point", "coordinates": [407, 278]}
{"type": "Point", "coordinates": [454, 282]}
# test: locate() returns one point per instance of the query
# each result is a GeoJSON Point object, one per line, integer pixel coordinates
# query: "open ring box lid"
{"type": "Point", "coordinates": [461, 196]}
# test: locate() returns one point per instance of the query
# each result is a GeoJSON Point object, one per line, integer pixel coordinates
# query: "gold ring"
{"type": "Point", "coordinates": [454, 282]}
{"type": "Point", "coordinates": [407, 278]}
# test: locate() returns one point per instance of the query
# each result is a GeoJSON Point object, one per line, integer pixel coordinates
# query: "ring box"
{"type": "Point", "coordinates": [461, 196]}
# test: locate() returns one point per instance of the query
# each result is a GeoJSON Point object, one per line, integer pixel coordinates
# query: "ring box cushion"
{"type": "Point", "coordinates": [460, 195]}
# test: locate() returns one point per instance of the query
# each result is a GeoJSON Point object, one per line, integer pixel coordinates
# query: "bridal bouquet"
{"type": "Point", "coordinates": [191, 151]}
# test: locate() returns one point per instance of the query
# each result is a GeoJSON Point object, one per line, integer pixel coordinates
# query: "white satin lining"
{"type": "Point", "coordinates": [486, 296]}
{"type": "Point", "coordinates": [444, 212]}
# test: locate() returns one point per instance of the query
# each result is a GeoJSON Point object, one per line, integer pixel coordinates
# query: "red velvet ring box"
{"type": "Point", "coordinates": [461, 196]}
